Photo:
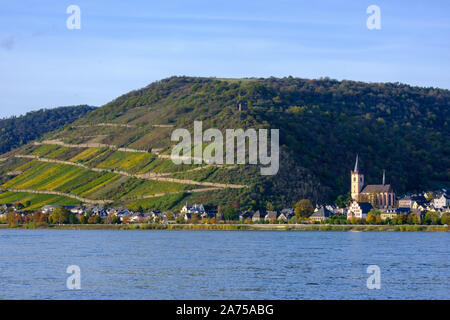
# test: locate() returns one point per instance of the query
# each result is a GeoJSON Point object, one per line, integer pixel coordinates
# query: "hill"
{"type": "Point", "coordinates": [16, 131]}
{"type": "Point", "coordinates": [119, 152]}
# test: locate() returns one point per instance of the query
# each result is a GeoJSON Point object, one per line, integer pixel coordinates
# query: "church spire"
{"type": "Point", "coordinates": [356, 165]}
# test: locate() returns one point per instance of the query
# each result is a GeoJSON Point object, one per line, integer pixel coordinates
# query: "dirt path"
{"type": "Point", "coordinates": [122, 125]}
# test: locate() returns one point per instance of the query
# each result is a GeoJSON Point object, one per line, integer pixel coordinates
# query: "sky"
{"type": "Point", "coordinates": [125, 45]}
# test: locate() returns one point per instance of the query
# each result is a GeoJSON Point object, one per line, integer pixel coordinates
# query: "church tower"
{"type": "Point", "coordinates": [357, 181]}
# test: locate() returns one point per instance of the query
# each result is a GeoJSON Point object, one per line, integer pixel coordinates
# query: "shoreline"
{"type": "Point", "coordinates": [240, 227]}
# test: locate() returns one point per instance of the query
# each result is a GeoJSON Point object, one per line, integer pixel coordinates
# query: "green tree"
{"type": "Point", "coordinates": [304, 208]}
{"type": "Point", "coordinates": [401, 219]}
{"type": "Point", "coordinates": [432, 217]}
{"type": "Point", "coordinates": [343, 201]}
{"type": "Point", "coordinates": [60, 215]}
{"type": "Point", "coordinates": [230, 213]}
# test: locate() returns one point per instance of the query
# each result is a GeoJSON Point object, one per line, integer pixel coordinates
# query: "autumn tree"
{"type": "Point", "coordinates": [60, 215]}
{"type": "Point", "coordinates": [413, 218]}
{"type": "Point", "coordinates": [445, 219]}
{"type": "Point", "coordinates": [304, 208]}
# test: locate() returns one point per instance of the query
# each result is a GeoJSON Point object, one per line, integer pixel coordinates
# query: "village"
{"type": "Point", "coordinates": [369, 204]}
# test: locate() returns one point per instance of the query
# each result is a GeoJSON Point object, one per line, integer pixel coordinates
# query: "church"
{"type": "Point", "coordinates": [380, 195]}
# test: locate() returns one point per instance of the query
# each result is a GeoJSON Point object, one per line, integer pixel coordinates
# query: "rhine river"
{"type": "Point", "coordinates": [223, 264]}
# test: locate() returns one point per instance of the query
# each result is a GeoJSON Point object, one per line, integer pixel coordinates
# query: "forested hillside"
{"type": "Point", "coordinates": [16, 131]}
{"type": "Point", "coordinates": [323, 125]}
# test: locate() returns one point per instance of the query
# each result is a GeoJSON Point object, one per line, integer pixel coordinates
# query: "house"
{"type": "Point", "coordinates": [211, 211]}
{"type": "Point", "coordinates": [76, 209]}
{"type": "Point", "coordinates": [359, 210]}
{"type": "Point", "coordinates": [258, 215]}
{"type": "Point", "coordinates": [123, 213]}
{"type": "Point", "coordinates": [48, 209]}
{"type": "Point", "coordinates": [139, 217]}
{"type": "Point", "coordinates": [321, 214]}
{"type": "Point", "coordinates": [271, 216]}
{"type": "Point", "coordinates": [246, 215]}
{"type": "Point", "coordinates": [442, 201]}
{"type": "Point", "coordinates": [408, 201]}
{"type": "Point", "coordinates": [196, 208]}
{"type": "Point", "coordinates": [208, 214]}
{"type": "Point", "coordinates": [288, 213]}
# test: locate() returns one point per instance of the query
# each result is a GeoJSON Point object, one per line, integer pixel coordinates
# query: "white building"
{"type": "Point", "coordinates": [441, 202]}
{"type": "Point", "coordinates": [196, 208]}
{"type": "Point", "coordinates": [359, 210]}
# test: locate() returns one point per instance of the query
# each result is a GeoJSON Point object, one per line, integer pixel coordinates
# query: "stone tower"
{"type": "Point", "coordinates": [357, 181]}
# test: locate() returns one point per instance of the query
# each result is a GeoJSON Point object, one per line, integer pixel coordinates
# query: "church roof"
{"type": "Point", "coordinates": [370, 188]}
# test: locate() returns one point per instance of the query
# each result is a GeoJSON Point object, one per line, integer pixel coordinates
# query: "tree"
{"type": "Point", "coordinates": [220, 211]}
{"type": "Point", "coordinates": [236, 204]}
{"type": "Point", "coordinates": [304, 208]}
{"type": "Point", "coordinates": [230, 213]}
{"type": "Point", "coordinates": [343, 201]}
{"type": "Point", "coordinates": [401, 219]}
{"type": "Point", "coordinates": [195, 218]}
{"type": "Point", "coordinates": [83, 219]}
{"type": "Point", "coordinates": [60, 215]}
{"type": "Point", "coordinates": [14, 218]}
{"type": "Point", "coordinates": [445, 219]}
{"type": "Point", "coordinates": [432, 217]}
{"type": "Point", "coordinates": [374, 217]}
{"type": "Point", "coordinates": [413, 218]}
{"type": "Point", "coordinates": [269, 206]}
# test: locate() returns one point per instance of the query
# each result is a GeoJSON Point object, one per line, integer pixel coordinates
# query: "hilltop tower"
{"type": "Point", "coordinates": [357, 181]}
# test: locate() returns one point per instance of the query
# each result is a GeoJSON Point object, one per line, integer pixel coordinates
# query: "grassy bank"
{"type": "Point", "coordinates": [239, 227]}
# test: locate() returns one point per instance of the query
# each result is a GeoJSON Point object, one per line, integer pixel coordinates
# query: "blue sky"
{"type": "Point", "coordinates": [125, 45]}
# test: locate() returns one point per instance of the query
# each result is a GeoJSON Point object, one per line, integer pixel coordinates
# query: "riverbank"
{"type": "Point", "coordinates": [239, 227]}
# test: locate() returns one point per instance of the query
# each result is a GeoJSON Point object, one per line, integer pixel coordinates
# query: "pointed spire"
{"type": "Point", "coordinates": [356, 165]}
{"type": "Point", "coordinates": [384, 177]}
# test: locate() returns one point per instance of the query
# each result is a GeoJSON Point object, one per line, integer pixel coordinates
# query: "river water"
{"type": "Point", "coordinates": [223, 264]}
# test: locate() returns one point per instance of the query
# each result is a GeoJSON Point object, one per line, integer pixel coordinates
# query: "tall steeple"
{"type": "Point", "coordinates": [356, 165]}
{"type": "Point", "coordinates": [357, 181]}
